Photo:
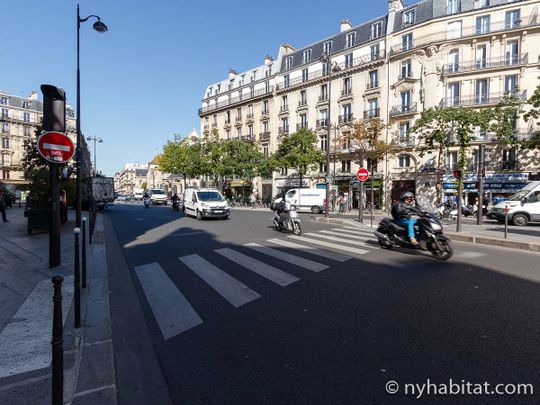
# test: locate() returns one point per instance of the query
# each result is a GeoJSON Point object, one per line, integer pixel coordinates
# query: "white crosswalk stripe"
{"type": "Point", "coordinates": [338, 257]}
{"type": "Point", "coordinates": [359, 231]}
{"type": "Point", "coordinates": [328, 244]}
{"type": "Point", "coordinates": [287, 257]}
{"type": "Point", "coordinates": [262, 269]}
{"type": "Point", "coordinates": [363, 239]}
{"type": "Point", "coordinates": [173, 312]}
{"type": "Point", "coordinates": [341, 239]}
{"type": "Point", "coordinates": [228, 287]}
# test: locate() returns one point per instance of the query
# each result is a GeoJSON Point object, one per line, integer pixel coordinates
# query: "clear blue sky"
{"type": "Point", "coordinates": [143, 80]}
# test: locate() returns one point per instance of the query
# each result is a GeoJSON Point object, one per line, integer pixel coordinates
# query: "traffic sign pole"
{"type": "Point", "coordinates": [362, 175]}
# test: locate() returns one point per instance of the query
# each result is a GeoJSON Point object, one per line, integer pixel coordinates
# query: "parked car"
{"type": "Point", "coordinates": [305, 199]}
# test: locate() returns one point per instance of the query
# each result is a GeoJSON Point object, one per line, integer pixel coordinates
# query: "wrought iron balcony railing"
{"type": "Point", "coordinates": [491, 63]}
{"type": "Point", "coordinates": [345, 118]}
{"type": "Point", "coordinates": [373, 113]}
{"type": "Point", "coordinates": [403, 109]}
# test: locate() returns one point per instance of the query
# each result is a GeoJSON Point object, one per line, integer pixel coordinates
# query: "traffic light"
{"type": "Point", "coordinates": [54, 108]}
{"type": "Point", "coordinates": [457, 174]}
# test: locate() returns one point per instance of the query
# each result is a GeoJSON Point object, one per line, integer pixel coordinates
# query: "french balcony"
{"type": "Point", "coordinates": [302, 103]}
{"type": "Point", "coordinates": [322, 123]}
{"type": "Point", "coordinates": [347, 91]}
{"type": "Point", "coordinates": [491, 63]}
{"type": "Point", "coordinates": [265, 115]}
{"type": "Point", "coordinates": [403, 109]}
{"type": "Point", "coordinates": [345, 118]}
{"type": "Point", "coordinates": [301, 125]}
{"type": "Point", "coordinates": [235, 100]}
{"type": "Point", "coordinates": [238, 120]}
{"type": "Point", "coordinates": [284, 109]}
{"type": "Point", "coordinates": [405, 75]}
{"type": "Point", "coordinates": [372, 85]}
{"type": "Point", "coordinates": [247, 138]}
{"type": "Point", "coordinates": [264, 136]}
{"type": "Point", "coordinates": [323, 98]}
{"type": "Point", "coordinates": [373, 113]}
{"type": "Point", "coordinates": [283, 130]}
{"type": "Point", "coordinates": [509, 165]}
{"type": "Point", "coordinates": [405, 141]}
{"type": "Point", "coordinates": [214, 125]}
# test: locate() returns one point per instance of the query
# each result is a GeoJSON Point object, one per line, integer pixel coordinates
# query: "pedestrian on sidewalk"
{"type": "Point", "coordinates": [252, 200]}
{"type": "Point", "coordinates": [341, 204]}
{"type": "Point", "coordinates": [3, 205]}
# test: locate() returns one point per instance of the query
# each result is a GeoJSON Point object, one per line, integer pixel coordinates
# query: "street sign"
{"type": "Point", "coordinates": [55, 147]}
{"type": "Point", "coordinates": [362, 174]}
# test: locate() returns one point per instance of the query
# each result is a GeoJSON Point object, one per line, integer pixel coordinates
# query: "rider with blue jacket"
{"type": "Point", "coordinates": [402, 211]}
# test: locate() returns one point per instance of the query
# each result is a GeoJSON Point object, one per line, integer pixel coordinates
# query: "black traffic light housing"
{"type": "Point", "coordinates": [54, 108]}
{"type": "Point", "coordinates": [457, 174]}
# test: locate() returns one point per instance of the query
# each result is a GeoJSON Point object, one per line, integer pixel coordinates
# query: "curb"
{"type": "Point", "coordinates": [462, 237]}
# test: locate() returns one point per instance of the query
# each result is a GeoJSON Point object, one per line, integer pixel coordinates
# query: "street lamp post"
{"type": "Point", "coordinates": [99, 27]}
{"type": "Point", "coordinates": [95, 139]}
{"type": "Point", "coordinates": [325, 60]}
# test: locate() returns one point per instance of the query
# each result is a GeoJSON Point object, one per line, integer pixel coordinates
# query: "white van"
{"type": "Point", "coordinates": [157, 196]}
{"type": "Point", "coordinates": [205, 203]}
{"type": "Point", "coordinates": [306, 199]}
{"type": "Point", "coordinates": [523, 206]}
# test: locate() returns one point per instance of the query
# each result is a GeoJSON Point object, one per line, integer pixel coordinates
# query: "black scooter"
{"type": "Point", "coordinates": [428, 230]}
{"type": "Point", "coordinates": [175, 205]}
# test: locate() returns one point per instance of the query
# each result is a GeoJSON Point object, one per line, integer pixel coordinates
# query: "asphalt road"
{"type": "Point", "coordinates": [325, 330]}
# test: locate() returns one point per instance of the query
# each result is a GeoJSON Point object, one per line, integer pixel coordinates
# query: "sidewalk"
{"type": "Point", "coordinates": [26, 311]}
{"type": "Point", "coordinates": [489, 233]}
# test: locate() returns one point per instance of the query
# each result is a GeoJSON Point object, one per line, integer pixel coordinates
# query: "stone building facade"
{"type": "Point", "coordinates": [433, 53]}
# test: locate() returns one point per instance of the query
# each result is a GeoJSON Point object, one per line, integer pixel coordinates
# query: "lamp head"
{"type": "Point", "coordinates": [89, 138]}
{"type": "Point", "coordinates": [99, 26]}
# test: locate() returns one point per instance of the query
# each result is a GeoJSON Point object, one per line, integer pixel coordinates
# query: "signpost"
{"type": "Point", "coordinates": [55, 147]}
{"type": "Point", "coordinates": [362, 175]}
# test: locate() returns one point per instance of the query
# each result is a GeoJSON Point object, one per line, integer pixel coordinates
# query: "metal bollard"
{"type": "Point", "coordinates": [57, 344]}
{"type": "Point", "coordinates": [77, 280]}
{"type": "Point", "coordinates": [91, 217]}
{"type": "Point", "coordinates": [84, 252]}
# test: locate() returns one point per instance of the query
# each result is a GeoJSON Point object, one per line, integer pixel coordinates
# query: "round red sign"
{"type": "Point", "coordinates": [362, 174]}
{"type": "Point", "coordinates": [55, 147]}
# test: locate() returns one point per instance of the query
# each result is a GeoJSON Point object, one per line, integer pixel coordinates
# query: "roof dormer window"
{"type": "Point", "coordinates": [376, 30]}
{"type": "Point", "coordinates": [307, 56]}
{"type": "Point", "coordinates": [409, 17]}
{"type": "Point", "coordinates": [288, 62]}
{"type": "Point", "coordinates": [350, 39]}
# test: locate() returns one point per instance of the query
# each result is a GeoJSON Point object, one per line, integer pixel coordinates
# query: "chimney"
{"type": "Point", "coordinates": [395, 5]}
{"type": "Point", "coordinates": [345, 25]}
{"type": "Point", "coordinates": [286, 49]}
{"type": "Point", "coordinates": [232, 74]}
{"type": "Point", "coordinates": [268, 60]}
{"type": "Point", "coordinates": [33, 96]}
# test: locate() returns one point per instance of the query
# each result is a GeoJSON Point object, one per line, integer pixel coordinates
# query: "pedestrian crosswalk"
{"type": "Point", "coordinates": [175, 314]}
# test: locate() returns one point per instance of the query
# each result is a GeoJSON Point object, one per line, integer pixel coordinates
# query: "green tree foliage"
{"type": "Point", "coordinates": [533, 114]}
{"type": "Point", "coordinates": [366, 139]}
{"type": "Point", "coordinates": [181, 158]}
{"type": "Point", "coordinates": [299, 151]}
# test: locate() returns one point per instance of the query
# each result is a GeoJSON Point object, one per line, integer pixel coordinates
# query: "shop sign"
{"type": "Point", "coordinates": [491, 177]}
{"type": "Point", "coordinates": [500, 187]}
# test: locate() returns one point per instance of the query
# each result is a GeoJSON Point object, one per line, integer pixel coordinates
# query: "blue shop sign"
{"type": "Point", "coordinates": [487, 186]}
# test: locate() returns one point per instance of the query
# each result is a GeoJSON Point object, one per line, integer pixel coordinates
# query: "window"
{"type": "Point", "coordinates": [305, 75]}
{"type": "Point", "coordinates": [325, 69]}
{"type": "Point", "coordinates": [404, 161]}
{"type": "Point", "coordinates": [303, 97]}
{"type": "Point", "coordinates": [345, 166]}
{"type": "Point", "coordinates": [406, 69]}
{"type": "Point", "coordinates": [509, 159]}
{"type": "Point", "coordinates": [481, 56]}
{"type": "Point", "coordinates": [481, 4]}
{"type": "Point", "coordinates": [451, 160]}
{"type": "Point", "coordinates": [266, 127]}
{"type": "Point", "coordinates": [347, 85]}
{"type": "Point", "coordinates": [286, 81]}
{"type": "Point", "coordinates": [267, 86]}
{"type": "Point", "coordinates": [238, 114]}
{"type": "Point", "coordinates": [228, 134]}
{"type": "Point", "coordinates": [350, 39]}
{"type": "Point", "coordinates": [327, 47]}
{"type": "Point", "coordinates": [285, 124]}
{"type": "Point", "coordinates": [306, 56]}
{"type": "Point", "coordinates": [409, 17]}
{"type": "Point", "coordinates": [6, 160]}
{"type": "Point", "coordinates": [405, 97]}
{"type": "Point", "coordinates": [269, 70]}
{"type": "Point", "coordinates": [348, 61]}
{"type": "Point", "coordinates": [288, 62]}
{"type": "Point", "coordinates": [5, 127]}
{"type": "Point", "coordinates": [482, 24]}
{"type": "Point", "coordinates": [373, 107]}
{"type": "Point", "coordinates": [375, 51]}
{"type": "Point", "coordinates": [376, 30]}
{"type": "Point", "coordinates": [239, 132]}
{"type": "Point", "coordinates": [250, 130]}
{"type": "Point", "coordinates": [26, 104]}
{"type": "Point", "coordinates": [5, 113]}
{"type": "Point", "coordinates": [250, 111]}
{"type": "Point", "coordinates": [453, 6]}
{"type": "Point", "coordinates": [265, 109]}
{"type": "Point", "coordinates": [512, 52]}
{"type": "Point", "coordinates": [3, 100]}
{"type": "Point", "coordinates": [452, 94]}
{"type": "Point", "coordinates": [5, 174]}
{"type": "Point", "coordinates": [373, 79]}
{"type": "Point", "coordinates": [453, 61]}
{"type": "Point", "coordinates": [510, 84]}
{"type": "Point", "coordinates": [407, 42]}
{"type": "Point", "coordinates": [481, 91]}
{"type": "Point", "coordinates": [5, 143]}
{"type": "Point", "coordinates": [265, 149]}
{"type": "Point", "coordinates": [404, 128]}
{"type": "Point", "coordinates": [284, 103]}
{"type": "Point", "coordinates": [303, 120]}
{"type": "Point", "coordinates": [323, 114]}
{"type": "Point", "coordinates": [26, 131]}
{"type": "Point", "coordinates": [323, 142]}
{"type": "Point", "coordinates": [324, 92]}
{"type": "Point", "coordinates": [454, 30]}
{"type": "Point", "coordinates": [347, 112]}
{"type": "Point", "coordinates": [512, 20]}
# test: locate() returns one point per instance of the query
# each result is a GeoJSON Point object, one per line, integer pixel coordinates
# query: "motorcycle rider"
{"type": "Point", "coordinates": [282, 209]}
{"type": "Point", "coordinates": [402, 211]}
{"type": "Point", "coordinates": [175, 201]}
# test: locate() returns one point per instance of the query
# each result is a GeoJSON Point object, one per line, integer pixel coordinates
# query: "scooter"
{"type": "Point", "coordinates": [175, 205]}
{"type": "Point", "coordinates": [429, 233]}
{"type": "Point", "coordinates": [292, 223]}
{"type": "Point", "coordinates": [146, 202]}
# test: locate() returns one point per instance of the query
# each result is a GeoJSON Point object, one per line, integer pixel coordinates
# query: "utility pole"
{"type": "Point", "coordinates": [481, 174]}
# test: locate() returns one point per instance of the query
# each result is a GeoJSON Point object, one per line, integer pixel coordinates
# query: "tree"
{"type": "Point", "coordinates": [299, 151]}
{"type": "Point", "coordinates": [366, 140]}
{"type": "Point", "coordinates": [181, 158]}
{"type": "Point", "coordinates": [533, 114]}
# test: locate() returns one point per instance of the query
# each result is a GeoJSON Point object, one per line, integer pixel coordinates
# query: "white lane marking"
{"type": "Point", "coordinates": [173, 312]}
{"type": "Point", "coordinates": [287, 257]}
{"type": "Point", "coordinates": [359, 228]}
{"type": "Point", "coordinates": [333, 238]}
{"type": "Point", "coordinates": [468, 254]}
{"type": "Point", "coordinates": [360, 231]}
{"type": "Point", "coordinates": [262, 269]}
{"type": "Point", "coordinates": [329, 245]}
{"type": "Point", "coordinates": [228, 287]}
{"type": "Point", "coordinates": [346, 236]}
{"type": "Point", "coordinates": [25, 343]}
{"type": "Point", "coordinates": [338, 257]}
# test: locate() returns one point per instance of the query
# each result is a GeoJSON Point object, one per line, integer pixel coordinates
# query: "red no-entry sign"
{"type": "Point", "coordinates": [55, 147]}
{"type": "Point", "coordinates": [362, 174]}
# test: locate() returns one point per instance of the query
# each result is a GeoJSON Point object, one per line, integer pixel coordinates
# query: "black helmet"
{"type": "Point", "coordinates": [405, 195]}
